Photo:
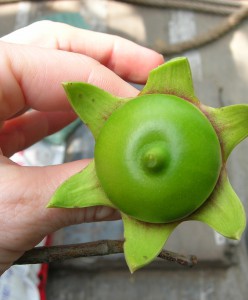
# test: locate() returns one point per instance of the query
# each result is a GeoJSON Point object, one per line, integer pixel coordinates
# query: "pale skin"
{"type": "Point", "coordinates": [33, 63]}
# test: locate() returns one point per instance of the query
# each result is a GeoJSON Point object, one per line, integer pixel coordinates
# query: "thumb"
{"type": "Point", "coordinates": [24, 194]}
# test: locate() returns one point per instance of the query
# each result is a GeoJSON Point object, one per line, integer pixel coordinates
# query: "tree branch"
{"type": "Point", "coordinates": [99, 248]}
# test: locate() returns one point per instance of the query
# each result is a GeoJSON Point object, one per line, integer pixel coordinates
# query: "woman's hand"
{"type": "Point", "coordinates": [33, 63]}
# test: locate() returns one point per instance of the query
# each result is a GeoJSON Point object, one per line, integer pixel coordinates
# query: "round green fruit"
{"type": "Point", "coordinates": [158, 158]}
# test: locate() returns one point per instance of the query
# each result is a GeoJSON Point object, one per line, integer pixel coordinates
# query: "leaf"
{"type": "Point", "coordinates": [231, 124]}
{"type": "Point", "coordinates": [223, 211]}
{"type": "Point", "coordinates": [93, 105]}
{"type": "Point", "coordinates": [174, 78]}
{"type": "Point", "coordinates": [143, 241]}
{"type": "Point", "coordinates": [80, 190]}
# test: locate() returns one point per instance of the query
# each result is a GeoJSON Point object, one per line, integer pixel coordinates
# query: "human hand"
{"type": "Point", "coordinates": [31, 73]}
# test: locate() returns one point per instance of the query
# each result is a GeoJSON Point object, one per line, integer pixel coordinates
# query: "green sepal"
{"type": "Point", "coordinates": [231, 124]}
{"type": "Point", "coordinates": [143, 241]}
{"type": "Point", "coordinates": [223, 211]}
{"type": "Point", "coordinates": [174, 78]}
{"type": "Point", "coordinates": [80, 190]}
{"type": "Point", "coordinates": [93, 105]}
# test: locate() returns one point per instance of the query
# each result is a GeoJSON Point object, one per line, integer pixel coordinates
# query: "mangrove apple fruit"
{"type": "Point", "coordinates": [160, 160]}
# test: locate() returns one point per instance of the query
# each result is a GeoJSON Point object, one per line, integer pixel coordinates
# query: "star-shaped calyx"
{"type": "Point", "coordinates": [159, 159]}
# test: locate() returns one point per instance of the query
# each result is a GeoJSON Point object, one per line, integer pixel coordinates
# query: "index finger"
{"type": "Point", "coordinates": [32, 77]}
{"type": "Point", "coordinates": [130, 61]}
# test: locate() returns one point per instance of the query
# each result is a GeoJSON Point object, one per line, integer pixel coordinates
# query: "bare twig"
{"type": "Point", "coordinates": [210, 36]}
{"type": "Point", "coordinates": [99, 248]}
{"type": "Point", "coordinates": [217, 8]}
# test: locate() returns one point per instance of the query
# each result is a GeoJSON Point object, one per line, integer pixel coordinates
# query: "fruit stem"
{"type": "Point", "coordinates": [50, 254]}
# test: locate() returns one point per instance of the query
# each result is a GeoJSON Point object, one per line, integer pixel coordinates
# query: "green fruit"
{"type": "Point", "coordinates": [158, 158]}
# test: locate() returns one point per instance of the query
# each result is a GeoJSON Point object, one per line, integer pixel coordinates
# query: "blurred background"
{"type": "Point", "coordinates": [202, 31]}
